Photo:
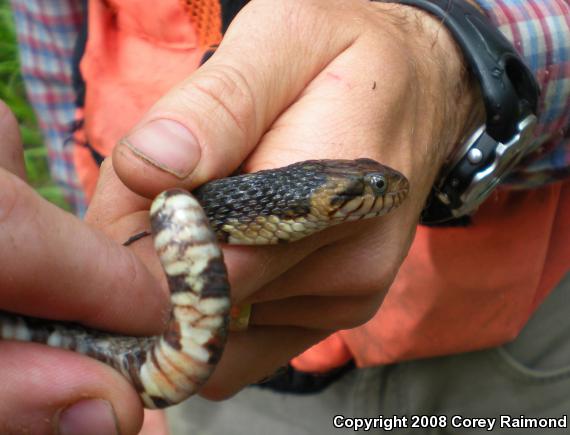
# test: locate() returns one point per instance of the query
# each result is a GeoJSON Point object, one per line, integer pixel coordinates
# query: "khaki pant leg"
{"type": "Point", "coordinates": [529, 377]}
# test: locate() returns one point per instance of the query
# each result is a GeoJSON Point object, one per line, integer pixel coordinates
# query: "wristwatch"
{"type": "Point", "coordinates": [510, 94]}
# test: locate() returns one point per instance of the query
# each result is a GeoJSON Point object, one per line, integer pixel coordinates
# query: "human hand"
{"type": "Point", "coordinates": [293, 81]}
{"type": "Point", "coordinates": [56, 267]}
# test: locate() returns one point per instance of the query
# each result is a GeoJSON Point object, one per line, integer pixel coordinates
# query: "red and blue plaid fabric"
{"type": "Point", "coordinates": [539, 29]}
{"type": "Point", "coordinates": [47, 31]}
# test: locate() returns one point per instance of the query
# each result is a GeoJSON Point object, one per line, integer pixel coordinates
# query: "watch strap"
{"type": "Point", "coordinates": [508, 87]}
{"type": "Point", "coordinates": [510, 96]}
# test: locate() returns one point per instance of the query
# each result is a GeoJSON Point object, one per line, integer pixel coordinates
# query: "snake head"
{"type": "Point", "coordinates": [359, 189]}
{"type": "Point", "coordinates": [289, 203]}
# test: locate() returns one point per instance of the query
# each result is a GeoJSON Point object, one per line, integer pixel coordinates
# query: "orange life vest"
{"type": "Point", "coordinates": [460, 289]}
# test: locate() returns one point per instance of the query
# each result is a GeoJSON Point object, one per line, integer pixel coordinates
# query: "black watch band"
{"type": "Point", "coordinates": [510, 94]}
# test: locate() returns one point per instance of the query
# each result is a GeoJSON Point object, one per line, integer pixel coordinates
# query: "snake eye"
{"type": "Point", "coordinates": [378, 183]}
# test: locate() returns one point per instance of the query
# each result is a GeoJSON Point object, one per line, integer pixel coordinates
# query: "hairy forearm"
{"type": "Point", "coordinates": [447, 87]}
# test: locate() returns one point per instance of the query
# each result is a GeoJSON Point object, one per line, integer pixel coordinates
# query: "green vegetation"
{"type": "Point", "coordinates": [13, 93]}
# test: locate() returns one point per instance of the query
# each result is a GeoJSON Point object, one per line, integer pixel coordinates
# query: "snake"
{"type": "Point", "coordinates": [261, 208]}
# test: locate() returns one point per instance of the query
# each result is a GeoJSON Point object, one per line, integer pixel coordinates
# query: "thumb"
{"type": "Point", "coordinates": [207, 125]}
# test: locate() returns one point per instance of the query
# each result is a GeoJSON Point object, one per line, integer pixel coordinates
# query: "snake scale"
{"type": "Point", "coordinates": [267, 207]}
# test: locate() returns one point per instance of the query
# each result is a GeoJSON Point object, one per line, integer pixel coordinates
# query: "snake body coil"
{"type": "Point", "coordinates": [267, 207]}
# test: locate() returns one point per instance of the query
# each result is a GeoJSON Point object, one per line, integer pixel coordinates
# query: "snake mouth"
{"type": "Point", "coordinates": [366, 206]}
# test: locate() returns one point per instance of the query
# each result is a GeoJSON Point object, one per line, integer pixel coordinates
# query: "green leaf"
{"type": "Point", "coordinates": [53, 194]}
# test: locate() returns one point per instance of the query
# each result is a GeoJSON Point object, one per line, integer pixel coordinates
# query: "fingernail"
{"type": "Point", "coordinates": [88, 417]}
{"type": "Point", "coordinates": [167, 145]}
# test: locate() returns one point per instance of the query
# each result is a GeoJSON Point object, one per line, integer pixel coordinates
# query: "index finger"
{"type": "Point", "coordinates": [55, 266]}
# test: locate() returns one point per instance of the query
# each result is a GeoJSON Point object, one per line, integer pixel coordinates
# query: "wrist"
{"type": "Point", "coordinates": [510, 94]}
{"type": "Point", "coordinates": [442, 70]}
{"type": "Point", "coordinates": [450, 104]}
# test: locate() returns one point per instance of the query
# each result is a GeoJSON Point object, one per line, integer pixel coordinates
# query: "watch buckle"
{"type": "Point", "coordinates": [507, 155]}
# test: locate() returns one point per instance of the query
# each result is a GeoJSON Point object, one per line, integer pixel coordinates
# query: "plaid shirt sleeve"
{"type": "Point", "coordinates": [539, 30]}
{"type": "Point", "coordinates": [47, 31]}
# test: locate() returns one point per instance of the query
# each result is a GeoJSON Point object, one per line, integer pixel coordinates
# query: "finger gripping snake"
{"type": "Point", "coordinates": [267, 207]}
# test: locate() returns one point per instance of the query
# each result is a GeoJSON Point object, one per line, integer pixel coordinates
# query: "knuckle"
{"type": "Point", "coordinates": [224, 93]}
